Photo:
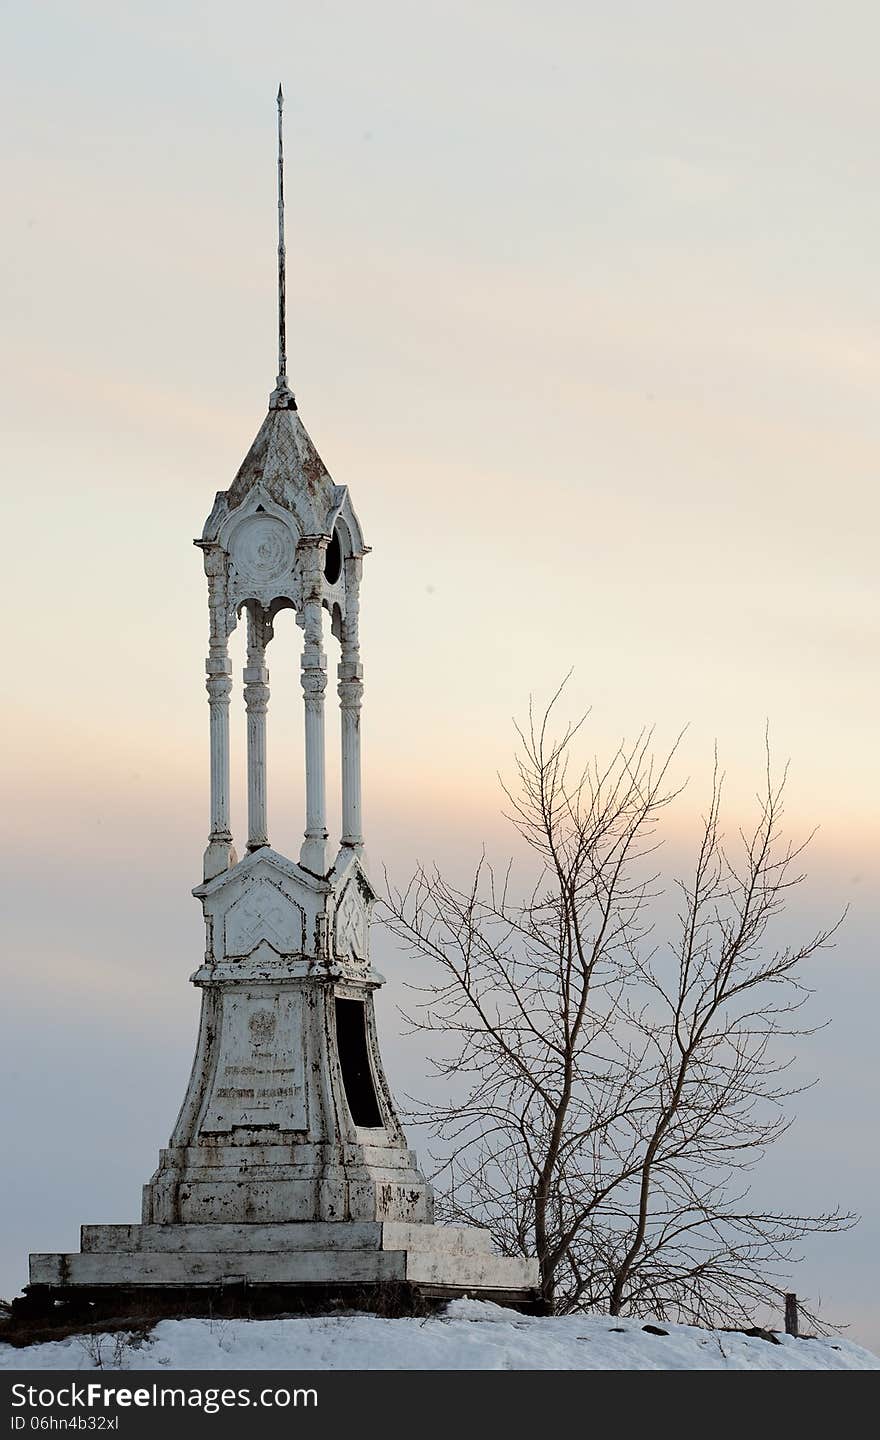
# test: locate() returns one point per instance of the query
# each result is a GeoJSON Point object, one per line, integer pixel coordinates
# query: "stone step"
{"type": "Point", "coordinates": [464, 1272]}
{"type": "Point", "coordinates": [282, 1238]}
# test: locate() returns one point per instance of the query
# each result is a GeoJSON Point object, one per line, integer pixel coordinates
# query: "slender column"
{"type": "Point", "coordinates": [313, 855]}
{"type": "Point", "coordinates": [219, 854]}
{"type": "Point", "coordinates": [350, 690]}
{"type": "Point", "coordinates": [256, 700]}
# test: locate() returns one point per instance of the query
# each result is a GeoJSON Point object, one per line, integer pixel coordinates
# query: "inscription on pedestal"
{"type": "Point", "coordinates": [259, 1078]}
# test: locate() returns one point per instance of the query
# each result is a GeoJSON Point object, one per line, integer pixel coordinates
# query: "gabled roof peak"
{"type": "Point", "coordinates": [283, 464]}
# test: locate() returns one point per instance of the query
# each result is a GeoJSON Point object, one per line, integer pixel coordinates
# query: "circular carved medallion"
{"type": "Point", "coordinates": [263, 549]}
{"type": "Point", "coordinates": [262, 1026]}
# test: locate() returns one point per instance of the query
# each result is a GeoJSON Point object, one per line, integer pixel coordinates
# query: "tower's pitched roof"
{"type": "Point", "coordinates": [284, 464]}
{"type": "Point", "coordinates": [283, 459]}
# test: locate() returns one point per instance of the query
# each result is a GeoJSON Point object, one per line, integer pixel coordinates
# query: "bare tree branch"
{"type": "Point", "coordinates": [602, 1092]}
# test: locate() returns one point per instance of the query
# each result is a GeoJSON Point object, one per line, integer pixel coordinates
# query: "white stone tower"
{"type": "Point", "coordinates": [287, 1058]}
{"type": "Point", "coordinates": [287, 1166]}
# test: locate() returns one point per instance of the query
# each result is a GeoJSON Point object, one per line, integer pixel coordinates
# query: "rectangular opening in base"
{"type": "Point", "coordinates": [354, 1061]}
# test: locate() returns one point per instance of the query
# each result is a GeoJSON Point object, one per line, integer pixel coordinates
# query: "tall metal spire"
{"type": "Point", "coordinates": [281, 397]}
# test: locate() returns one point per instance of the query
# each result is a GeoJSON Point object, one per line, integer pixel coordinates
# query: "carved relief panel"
{"type": "Point", "coordinates": [351, 923]}
{"type": "Point", "coordinates": [260, 541]}
{"type": "Point", "coordinates": [264, 914]}
{"type": "Point", "coordinates": [259, 1079]}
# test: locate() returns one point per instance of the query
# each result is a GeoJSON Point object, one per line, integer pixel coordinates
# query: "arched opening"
{"type": "Point", "coordinates": [333, 558]}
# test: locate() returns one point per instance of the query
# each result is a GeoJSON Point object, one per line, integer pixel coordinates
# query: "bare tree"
{"type": "Point", "coordinates": [605, 1095]}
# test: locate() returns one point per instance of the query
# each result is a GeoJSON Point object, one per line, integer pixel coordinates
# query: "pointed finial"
{"type": "Point", "coordinates": [281, 397]}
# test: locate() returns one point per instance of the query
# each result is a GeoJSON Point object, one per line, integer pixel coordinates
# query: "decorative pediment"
{"type": "Point", "coordinates": [351, 924]}
{"type": "Point", "coordinates": [263, 901]}
{"type": "Point", "coordinates": [349, 865]}
{"type": "Point", "coordinates": [264, 914]}
{"type": "Point", "coordinates": [260, 541]}
{"type": "Point", "coordinates": [266, 862]}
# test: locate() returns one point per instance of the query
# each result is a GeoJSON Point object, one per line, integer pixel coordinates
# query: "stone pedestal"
{"type": "Point", "coordinates": [288, 1173]}
{"type": "Point", "coordinates": [288, 1116]}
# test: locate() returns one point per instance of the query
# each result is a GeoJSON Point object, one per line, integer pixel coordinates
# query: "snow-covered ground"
{"type": "Point", "coordinates": [469, 1335]}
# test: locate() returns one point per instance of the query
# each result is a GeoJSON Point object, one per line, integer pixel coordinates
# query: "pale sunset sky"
{"type": "Point", "coordinates": [583, 308]}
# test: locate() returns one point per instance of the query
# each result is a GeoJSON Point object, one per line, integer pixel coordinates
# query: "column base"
{"type": "Point", "coordinates": [313, 856]}
{"type": "Point", "coordinates": [220, 856]}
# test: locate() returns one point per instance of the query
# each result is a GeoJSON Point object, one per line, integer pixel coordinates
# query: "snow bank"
{"type": "Point", "coordinates": [469, 1335]}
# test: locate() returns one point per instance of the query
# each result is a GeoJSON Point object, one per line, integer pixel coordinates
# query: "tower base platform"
{"type": "Point", "coordinates": [252, 1269]}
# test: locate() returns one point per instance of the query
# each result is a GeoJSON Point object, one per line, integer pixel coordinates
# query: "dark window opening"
{"type": "Point", "coordinates": [333, 559]}
{"type": "Point", "coordinates": [354, 1061]}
